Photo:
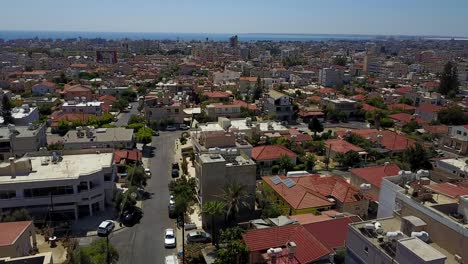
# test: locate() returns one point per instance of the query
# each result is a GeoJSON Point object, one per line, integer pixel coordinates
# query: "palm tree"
{"type": "Point", "coordinates": [213, 209]}
{"type": "Point", "coordinates": [234, 195]}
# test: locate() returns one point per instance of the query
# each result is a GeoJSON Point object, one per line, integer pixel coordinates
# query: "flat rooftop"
{"type": "Point", "coordinates": [71, 167]}
{"type": "Point", "coordinates": [459, 163]}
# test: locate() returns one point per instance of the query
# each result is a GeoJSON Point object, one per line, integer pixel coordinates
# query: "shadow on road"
{"type": "Point", "coordinates": [148, 151]}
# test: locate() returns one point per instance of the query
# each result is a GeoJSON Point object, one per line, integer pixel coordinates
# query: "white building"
{"type": "Point", "coordinates": [330, 77]}
{"type": "Point", "coordinates": [225, 76]}
{"type": "Point", "coordinates": [94, 108]}
{"type": "Point", "coordinates": [24, 115]}
{"type": "Point", "coordinates": [112, 90]}
{"type": "Point", "coordinates": [89, 137]}
{"type": "Point", "coordinates": [73, 185]}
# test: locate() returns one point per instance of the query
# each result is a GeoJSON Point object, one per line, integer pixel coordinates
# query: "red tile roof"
{"type": "Point", "coordinates": [303, 113]}
{"type": "Point", "coordinates": [249, 79]}
{"type": "Point", "coordinates": [359, 97]}
{"type": "Point", "coordinates": [312, 191]}
{"type": "Point", "coordinates": [326, 91]}
{"type": "Point", "coordinates": [436, 129]}
{"type": "Point", "coordinates": [217, 94]}
{"type": "Point", "coordinates": [107, 98]}
{"type": "Point", "coordinates": [10, 231]}
{"type": "Point", "coordinates": [241, 103]}
{"type": "Point", "coordinates": [298, 136]}
{"type": "Point", "coordinates": [390, 140]}
{"type": "Point", "coordinates": [368, 107]}
{"type": "Point", "coordinates": [449, 189]}
{"type": "Point", "coordinates": [133, 155]}
{"type": "Point", "coordinates": [271, 152]}
{"type": "Point", "coordinates": [331, 233]}
{"type": "Point", "coordinates": [314, 98]}
{"type": "Point", "coordinates": [404, 107]}
{"type": "Point", "coordinates": [403, 90]}
{"type": "Point", "coordinates": [429, 108]}
{"type": "Point", "coordinates": [375, 174]}
{"type": "Point", "coordinates": [341, 146]}
{"type": "Point", "coordinates": [406, 118]}
{"type": "Point", "coordinates": [309, 218]}
{"type": "Point", "coordinates": [308, 248]}
{"type": "Point", "coordinates": [58, 116]}
{"type": "Point", "coordinates": [46, 83]}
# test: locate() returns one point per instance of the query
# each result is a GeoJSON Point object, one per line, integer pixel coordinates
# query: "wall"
{"type": "Point", "coordinates": [356, 245]}
{"type": "Point", "coordinates": [22, 245]}
{"type": "Point", "coordinates": [387, 197]}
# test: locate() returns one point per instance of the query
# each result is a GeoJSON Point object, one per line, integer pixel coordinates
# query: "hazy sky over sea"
{"type": "Point", "coordinates": [386, 17]}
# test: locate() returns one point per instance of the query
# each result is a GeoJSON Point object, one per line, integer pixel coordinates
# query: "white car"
{"type": "Point", "coordinates": [171, 200]}
{"type": "Point", "coordinates": [105, 228]}
{"type": "Point", "coordinates": [148, 172]}
{"type": "Point", "coordinates": [169, 238]}
{"type": "Point", "coordinates": [129, 106]}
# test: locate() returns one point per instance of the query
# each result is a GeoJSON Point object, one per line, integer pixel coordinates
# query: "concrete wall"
{"type": "Point", "coordinates": [387, 197]}
{"type": "Point", "coordinates": [359, 250]}
{"type": "Point", "coordinates": [357, 181]}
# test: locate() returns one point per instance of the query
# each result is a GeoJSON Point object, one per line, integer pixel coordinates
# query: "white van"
{"type": "Point", "coordinates": [172, 259]}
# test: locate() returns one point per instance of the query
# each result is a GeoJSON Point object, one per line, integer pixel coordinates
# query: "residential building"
{"type": "Point", "coordinates": [330, 77]}
{"type": "Point", "coordinates": [19, 140]}
{"type": "Point", "coordinates": [84, 107]}
{"type": "Point", "coordinates": [401, 119]}
{"type": "Point", "coordinates": [371, 64]}
{"type": "Point", "coordinates": [347, 106]}
{"type": "Point", "coordinates": [314, 193]}
{"type": "Point", "coordinates": [156, 108]}
{"type": "Point", "coordinates": [278, 105]}
{"type": "Point", "coordinates": [428, 112]}
{"type": "Point", "coordinates": [96, 138]}
{"type": "Point", "coordinates": [45, 180]}
{"type": "Point", "coordinates": [24, 115]}
{"type": "Point", "coordinates": [338, 146]}
{"type": "Point", "coordinates": [217, 169]}
{"type": "Point", "coordinates": [372, 176]}
{"type": "Point", "coordinates": [18, 238]}
{"type": "Point", "coordinates": [450, 170]}
{"type": "Point", "coordinates": [125, 157]}
{"type": "Point", "coordinates": [225, 76]}
{"type": "Point", "coordinates": [41, 258]}
{"type": "Point", "coordinates": [457, 140]}
{"type": "Point", "coordinates": [43, 88]}
{"type": "Point", "coordinates": [78, 91]}
{"type": "Point", "coordinates": [42, 101]}
{"type": "Point", "coordinates": [442, 206]}
{"type": "Point", "coordinates": [223, 141]}
{"type": "Point", "coordinates": [112, 90]}
{"type": "Point", "coordinates": [215, 110]}
{"type": "Point", "coordinates": [268, 156]}
{"type": "Point", "coordinates": [247, 85]}
{"type": "Point", "coordinates": [219, 96]}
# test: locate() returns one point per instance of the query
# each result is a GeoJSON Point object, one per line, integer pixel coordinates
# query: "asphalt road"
{"type": "Point", "coordinates": [144, 242]}
{"type": "Point", "coordinates": [125, 116]}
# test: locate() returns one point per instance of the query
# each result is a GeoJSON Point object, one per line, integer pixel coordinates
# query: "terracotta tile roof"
{"type": "Point", "coordinates": [436, 129]}
{"type": "Point", "coordinates": [312, 191]}
{"type": "Point", "coordinates": [46, 83]}
{"type": "Point", "coordinates": [406, 118]}
{"type": "Point", "coordinates": [11, 231]}
{"type": "Point", "coordinates": [108, 98]}
{"type": "Point", "coordinates": [359, 97]}
{"type": "Point", "coordinates": [76, 88]}
{"type": "Point", "coordinates": [309, 218]}
{"type": "Point", "coordinates": [368, 107]}
{"type": "Point", "coordinates": [133, 155]}
{"type": "Point", "coordinates": [303, 113]}
{"type": "Point", "coordinates": [298, 136]}
{"type": "Point", "coordinates": [249, 79]}
{"type": "Point", "coordinates": [58, 116]}
{"type": "Point", "coordinates": [308, 247]}
{"type": "Point", "coordinates": [404, 107]}
{"type": "Point", "coordinates": [314, 98]}
{"type": "Point", "coordinates": [271, 152]}
{"type": "Point", "coordinates": [429, 108]}
{"type": "Point", "coordinates": [217, 94]}
{"type": "Point", "coordinates": [375, 174]}
{"type": "Point", "coordinates": [448, 189]}
{"type": "Point", "coordinates": [241, 103]}
{"type": "Point", "coordinates": [342, 146]}
{"type": "Point", "coordinates": [331, 233]}
{"type": "Point", "coordinates": [325, 91]}
{"type": "Point", "coordinates": [403, 90]}
{"type": "Point", "coordinates": [390, 140]}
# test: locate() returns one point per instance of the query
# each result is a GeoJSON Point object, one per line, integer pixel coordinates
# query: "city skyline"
{"type": "Point", "coordinates": [417, 18]}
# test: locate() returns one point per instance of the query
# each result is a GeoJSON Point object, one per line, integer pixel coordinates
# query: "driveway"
{"type": "Point", "coordinates": [144, 242]}
{"type": "Point", "coordinates": [125, 116]}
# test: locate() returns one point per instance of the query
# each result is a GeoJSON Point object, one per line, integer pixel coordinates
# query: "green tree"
{"type": "Point", "coordinates": [17, 215]}
{"type": "Point", "coordinates": [285, 163]}
{"type": "Point", "coordinates": [417, 157]}
{"type": "Point", "coordinates": [410, 127]}
{"type": "Point", "coordinates": [125, 201]}
{"type": "Point", "coordinates": [406, 100]}
{"type": "Point", "coordinates": [349, 159]}
{"type": "Point", "coordinates": [129, 95]}
{"type": "Point", "coordinates": [96, 253]}
{"type": "Point", "coordinates": [214, 209]}
{"type": "Point", "coordinates": [270, 210]}
{"type": "Point", "coordinates": [258, 89]}
{"type": "Point", "coordinates": [453, 116]}
{"type": "Point", "coordinates": [235, 251]}
{"type": "Point", "coordinates": [136, 119]}
{"type": "Point", "coordinates": [120, 105]}
{"type": "Point", "coordinates": [6, 110]}
{"type": "Point", "coordinates": [449, 80]}
{"type": "Point", "coordinates": [63, 126]}
{"type": "Point", "coordinates": [234, 195]}
{"type": "Point", "coordinates": [378, 102]}
{"type": "Point", "coordinates": [136, 176]}
{"type": "Point", "coordinates": [193, 253]}
{"type": "Point", "coordinates": [315, 126]}
{"type": "Point", "coordinates": [136, 126]}
{"type": "Point", "coordinates": [309, 161]}
{"type": "Point", "coordinates": [144, 135]}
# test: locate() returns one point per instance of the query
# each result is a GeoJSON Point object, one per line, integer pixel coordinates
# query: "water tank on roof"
{"type": "Point", "coordinates": [395, 235]}
{"type": "Point", "coordinates": [365, 187]}
{"type": "Point", "coordinates": [423, 235]}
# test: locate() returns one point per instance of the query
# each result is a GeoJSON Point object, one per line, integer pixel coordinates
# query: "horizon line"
{"type": "Point", "coordinates": [238, 33]}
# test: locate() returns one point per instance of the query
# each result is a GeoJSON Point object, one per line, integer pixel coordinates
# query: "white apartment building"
{"type": "Point", "coordinates": [94, 108]}
{"type": "Point", "coordinates": [73, 185]}
{"type": "Point", "coordinates": [330, 77]}
{"type": "Point", "coordinates": [18, 140]}
{"type": "Point", "coordinates": [24, 115]}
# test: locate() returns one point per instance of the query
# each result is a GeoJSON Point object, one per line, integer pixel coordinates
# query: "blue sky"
{"type": "Point", "coordinates": [399, 17]}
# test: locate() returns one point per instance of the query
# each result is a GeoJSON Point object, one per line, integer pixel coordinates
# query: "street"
{"type": "Point", "coordinates": [125, 116]}
{"type": "Point", "coordinates": [144, 242]}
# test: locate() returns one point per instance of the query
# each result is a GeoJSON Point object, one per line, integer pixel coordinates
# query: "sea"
{"type": "Point", "coordinates": [246, 37]}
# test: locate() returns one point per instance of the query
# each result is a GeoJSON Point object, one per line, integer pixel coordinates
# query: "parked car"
{"type": "Point", "coordinates": [172, 259]}
{"type": "Point", "coordinates": [131, 217]}
{"type": "Point", "coordinates": [169, 238]}
{"type": "Point", "coordinates": [171, 128]}
{"type": "Point", "coordinates": [175, 165]}
{"type": "Point", "coordinates": [148, 172]}
{"type": "Point", "coordinates": [198, 237]}
{"type": "Point", "coordinates": [105, 228]}
{"type": "Point", "coordinates": [171, 210]}
{"type": "Point", "coordinates": [171, 200]}
{"type": "Point", "coordinates": [155, 133]}
{"type": "Point", "coordinates": [184, 127]}
{"type": "Point", "coordinates": [129, 106]}
{"type": "Point", "coordinates": [175, 173]}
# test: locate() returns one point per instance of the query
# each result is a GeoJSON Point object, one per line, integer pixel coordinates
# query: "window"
{"type": "Point", "coordinates": [458, 132]}
{"type": "Point", "coordinates": [43, 192]}
{"type": "Point", "coordinates": [8, 194]}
